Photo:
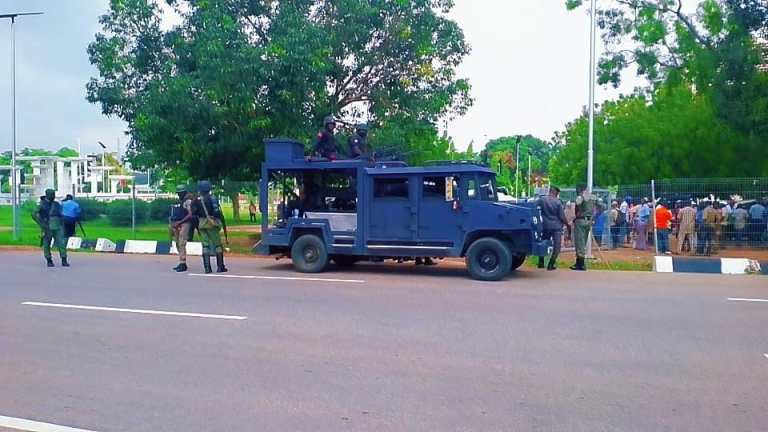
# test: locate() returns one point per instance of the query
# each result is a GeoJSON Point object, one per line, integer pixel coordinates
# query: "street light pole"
{"type": "Point", "coordinates": [14, 174]}
{"type": "Point", "coordinates": [592, 78]}
{"type": "Point", "coordinates": [517, 169]}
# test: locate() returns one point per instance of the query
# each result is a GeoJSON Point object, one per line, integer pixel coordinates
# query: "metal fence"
{"type": "Point", "coordinates": [716, 216]}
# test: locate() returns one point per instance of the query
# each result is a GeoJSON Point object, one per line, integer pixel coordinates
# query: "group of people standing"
{"type": "Point", "coordinates": [202, 213]}
{"type": "Point", "coordinates": [57, 222]}
{"type": "Point", "coordinates": [325, 143]}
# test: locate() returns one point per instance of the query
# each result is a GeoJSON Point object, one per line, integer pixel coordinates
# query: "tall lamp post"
{"type": "Point", "coordinates": [14, 174]}
{"type": "Point", "coordinates": [592, 79]}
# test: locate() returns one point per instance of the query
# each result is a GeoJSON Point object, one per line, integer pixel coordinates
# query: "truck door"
{"type": "Point", "coordinates": [391, 211]}
{"type": "Point", "coordinates": [439, 222]}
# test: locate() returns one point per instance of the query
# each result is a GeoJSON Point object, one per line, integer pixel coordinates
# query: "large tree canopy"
{"type": "Point", "coordinates": [705, 113]}
{"type": "Point", "coordinates": [204, 95]}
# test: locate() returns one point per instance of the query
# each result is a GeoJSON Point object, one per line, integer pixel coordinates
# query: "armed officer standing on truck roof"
{"type": "Point", "coordinates": [585, 209]}
{"type": "Point", "coordinates": [326, 140]}
{"type": "Point", "coordinates": [208, 210]}
{"type": "Point", "coordinates": [48, 217]}
{"type": "Point", "coordinates": [553, 216]}
{"type": "Point", "coordinates": [358, 143]}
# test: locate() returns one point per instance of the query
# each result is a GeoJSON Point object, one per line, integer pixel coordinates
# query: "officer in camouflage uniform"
{"type": "Point", "coordinates": [358, 143]}
{"type": "Point", "coordinates": [48, 217]}
{"type": "Point", "coordinates": [208, 211]}
{"type": "Point", "coordinates": [585, 209]}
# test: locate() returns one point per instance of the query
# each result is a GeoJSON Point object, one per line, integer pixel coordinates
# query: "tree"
{"type": "Point", "coordinates": [204, 95]}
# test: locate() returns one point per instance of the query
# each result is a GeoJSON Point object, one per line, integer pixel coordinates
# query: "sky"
{"type": "Point", "coordinates": [528, 68]}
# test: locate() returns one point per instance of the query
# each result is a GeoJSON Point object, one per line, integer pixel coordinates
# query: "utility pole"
{"type": "Point", "coordinates": [14, 174]}
{"type": "Point", "coordinates": [592, 79]}
{"type": "Point", "coordinates": [517, 168]}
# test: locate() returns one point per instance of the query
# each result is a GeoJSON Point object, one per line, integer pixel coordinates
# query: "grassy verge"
{"type": "Point", "coordinates": [532, 262]}
{"type": "Point", "coordinates": [240, 242]}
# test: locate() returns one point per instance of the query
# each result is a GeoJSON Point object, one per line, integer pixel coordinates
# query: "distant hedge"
{"type": "Point", "coordinates": [160, 209]}
{"type": "Point", "coordinates": [92, 209]}
{"type": "Point", "coordinates": [119, 212]}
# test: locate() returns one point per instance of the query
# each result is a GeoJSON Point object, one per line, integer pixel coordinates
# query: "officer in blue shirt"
{"type": "Point", "coordinates": [70, 214]}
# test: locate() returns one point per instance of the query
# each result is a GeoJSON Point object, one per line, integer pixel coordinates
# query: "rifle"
{"type": "Point", "coordinates": [224, 225]}
{"type": "Point", "coordinates": [82, 230]}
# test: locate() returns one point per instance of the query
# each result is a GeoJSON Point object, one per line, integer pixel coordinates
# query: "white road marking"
{"type": "Point", "coordinates": [766, 355]}
{"type": "Point", "coordinates": [137, 311]}
{"type": "Point", "coordinates": [748, 300]}
{"type": "Point", "coordinates": [305, 279]}
{"type": "Point", "coordinates": [35, 426]}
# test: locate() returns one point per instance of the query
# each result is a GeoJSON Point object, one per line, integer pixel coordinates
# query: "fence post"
{"type": "Point", "coordinates": [653, 221]}
{"type": "Point", "coordinates": [133, 208]}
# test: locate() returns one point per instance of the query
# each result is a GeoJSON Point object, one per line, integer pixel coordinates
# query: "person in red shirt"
{"type": "Point", "coordinates": [663, 223]}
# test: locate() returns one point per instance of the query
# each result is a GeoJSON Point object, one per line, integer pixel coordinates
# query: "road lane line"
{"type": "Point", "coordinates": [748, 300]}
{"type": "Point", "coordinates": [766, 355]}
{"type": "Point", "coordinates": [35, 426]}
{"type": "Point", "coordinates": [286, 278]}
{"type": "Point", "coordinates": [136, 311]}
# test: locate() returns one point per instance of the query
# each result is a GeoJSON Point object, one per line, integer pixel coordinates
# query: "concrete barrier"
{"type": "Point", "coordinates": [105, 245]}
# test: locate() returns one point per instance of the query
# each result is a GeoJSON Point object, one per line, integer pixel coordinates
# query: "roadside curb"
{"type": "Point", "coordinates": [730, 266]}
{"type": "Point", "coordinates": [144, 247]}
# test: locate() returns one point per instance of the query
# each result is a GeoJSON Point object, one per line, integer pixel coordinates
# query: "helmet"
{"type": "Point", "coordinates": [204, 186]}
{"type": "Point", "coordinates": [50, 194]}
{"type": "Point", "coordinates": [362, 127]}
{"type": "Point", "coordinates": [329, 120]}
{"type": "Point", "coordinates": [182, 189]}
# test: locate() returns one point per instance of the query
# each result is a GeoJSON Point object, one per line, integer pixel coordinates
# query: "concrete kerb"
{"type": "Point", "coordinates": [146, 247]}
{"type": "Point", "coordinates": [729, 266]}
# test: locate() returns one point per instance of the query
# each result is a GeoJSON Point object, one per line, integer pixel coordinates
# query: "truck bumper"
{"type": "Point", "coordinates": [542, 248]}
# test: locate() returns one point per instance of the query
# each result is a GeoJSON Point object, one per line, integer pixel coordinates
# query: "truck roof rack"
{"type": "Point", "coordinates": [452, 162]}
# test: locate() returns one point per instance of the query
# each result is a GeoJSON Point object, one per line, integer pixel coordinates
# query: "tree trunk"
{"type": "Point", "coordinates": [235, 197]}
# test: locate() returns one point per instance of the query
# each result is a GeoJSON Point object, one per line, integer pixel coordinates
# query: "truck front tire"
{"type": "Point", "coordinates": [488, 259]}
{"type": "Point", "coordinates": [309, 254]}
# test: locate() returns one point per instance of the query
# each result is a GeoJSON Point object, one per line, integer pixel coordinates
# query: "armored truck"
{"type": "Point", "coordinates": [318, 211]}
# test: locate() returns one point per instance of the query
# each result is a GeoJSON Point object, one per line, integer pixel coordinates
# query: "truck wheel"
{"type": "Point", "coordinates": [517, 261]}
{"type": "Point", "coordinates": [309, 254]}
{"type": "Point", "coordinates": [345, 261]}
{"type": "Point", "coordinates": [488, 259]}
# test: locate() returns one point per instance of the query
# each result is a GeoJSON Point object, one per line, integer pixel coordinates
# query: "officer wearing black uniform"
{"type": "Point", "coordinates": [326, 140]}
{"type": "Point", "coordinates": [48, 217]}
{"type": "Point", "coordinates": [358, 143]}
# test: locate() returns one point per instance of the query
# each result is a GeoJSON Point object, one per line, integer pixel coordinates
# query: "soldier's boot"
{"type": "Point", "coordinates": [207, 264]}
{"type": "Point", "coordinates": [541, 262]}
{"type": "Point", "coordinates": [551, 266]}
{"type": "Point", "coordinates": [50, 263]}
{"type": "Point", "coordinates": [419, 261]}
{"type": "Point", "coordinates": [182, 267]}
{"type": "Point", "coordinates": [220, 268]}
{"type": "Point", "coordinates": [64, 262]}
{"type": "Point", "coordinates": [429, 262]}
{"type": "Point", "coordinates": [579, 266]}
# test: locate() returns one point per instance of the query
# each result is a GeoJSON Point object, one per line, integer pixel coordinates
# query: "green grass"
{"type": "Point", "coordinates": [532, 262]}
{"type": "Point", "coordinates": [30, 233]}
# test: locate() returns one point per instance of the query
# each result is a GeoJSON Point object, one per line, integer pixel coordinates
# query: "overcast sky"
{"type": "Point", "coordinates": [528, 69]}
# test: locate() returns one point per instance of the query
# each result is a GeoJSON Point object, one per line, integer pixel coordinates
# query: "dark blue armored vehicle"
{"type": "Point", "coordinates": [316, 211]}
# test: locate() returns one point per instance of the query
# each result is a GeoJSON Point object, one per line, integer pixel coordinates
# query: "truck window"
{"type": "Point", "coordinates": [436, 187]}
{"type": "Point", "coordinates": [384, 188]}
{"type": "Point", "coordinates": [488, 188]}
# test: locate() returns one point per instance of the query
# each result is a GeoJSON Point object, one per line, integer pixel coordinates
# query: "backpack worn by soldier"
{"type": "Point", "coordinates": [208, 210]}
{"type": "Point", "coordinates": [48, 217]}
{"type": "Point", "coordinates": [358, 143]}
{"type": "Point", "coordinates": [585, 210]}
{"type": "Point", "coordinates": [326, 140]}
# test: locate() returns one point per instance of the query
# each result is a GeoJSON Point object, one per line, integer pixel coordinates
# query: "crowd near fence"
{"type": "Point", "coordinates": [691, 216]}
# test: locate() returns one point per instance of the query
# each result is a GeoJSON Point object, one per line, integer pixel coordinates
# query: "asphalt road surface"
{"type": "Point", "coordinates": [120, 343]}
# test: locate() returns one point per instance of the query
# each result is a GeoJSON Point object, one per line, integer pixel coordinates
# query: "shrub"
{"type": "Point", "coordinates": [92, 209]}
{"type": "Point", "coordinates": [119, 212]}
{"type": "Point", "coordinates": [160, 209]}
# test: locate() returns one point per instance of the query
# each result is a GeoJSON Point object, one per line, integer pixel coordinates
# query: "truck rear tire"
{"type": "Point", "coordinates": [309, 254]}
{"type": "Point", "coordinates": [517, 261]}
{"type": "Point", "coordinates": [488, 259]}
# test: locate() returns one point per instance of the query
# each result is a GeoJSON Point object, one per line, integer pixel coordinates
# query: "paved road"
{"type": "Point", "coordinates": [378, 348]}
